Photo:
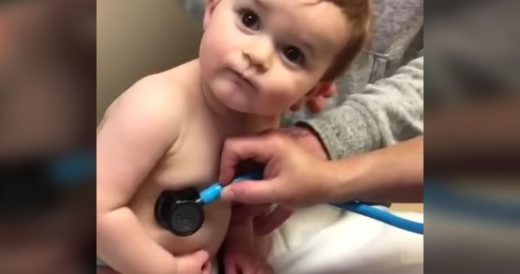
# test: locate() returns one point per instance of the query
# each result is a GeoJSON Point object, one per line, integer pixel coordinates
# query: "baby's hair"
{"type": "Point", "coordinates": [359, 12]}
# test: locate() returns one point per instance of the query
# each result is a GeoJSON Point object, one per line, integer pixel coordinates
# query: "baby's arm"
{"type": "Point", "coordinates": [138, 130]}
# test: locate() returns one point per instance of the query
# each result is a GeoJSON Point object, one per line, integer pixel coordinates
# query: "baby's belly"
{"type": "Point", "coordinates": [209, 237]}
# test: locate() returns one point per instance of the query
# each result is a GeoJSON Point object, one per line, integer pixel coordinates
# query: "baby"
{"type": "Point", "coordinates": [257, 59]}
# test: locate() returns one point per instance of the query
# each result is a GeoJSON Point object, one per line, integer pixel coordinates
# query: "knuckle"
{"type": "Point", "coordinates": [229, 144]}
{"type": "Point", "coordinates": [278, 141]}
{"type": "Point", "coordinates": [280, 195]}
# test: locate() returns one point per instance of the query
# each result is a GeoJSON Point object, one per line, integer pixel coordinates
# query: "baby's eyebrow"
{"type": "Point", "coordinates": [261, 4]}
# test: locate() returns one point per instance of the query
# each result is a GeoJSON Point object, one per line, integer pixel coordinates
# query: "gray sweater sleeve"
{"type": "Point", "coordinates": [385, 112]}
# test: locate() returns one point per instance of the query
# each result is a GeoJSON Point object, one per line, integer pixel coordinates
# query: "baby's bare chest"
{"type": "Point", "coordinates": [192, 162]}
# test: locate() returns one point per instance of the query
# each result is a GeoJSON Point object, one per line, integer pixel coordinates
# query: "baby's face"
{"type": "Point", "coordinates": [262, 56]}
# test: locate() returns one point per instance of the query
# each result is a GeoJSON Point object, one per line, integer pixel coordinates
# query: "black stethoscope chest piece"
{"type": "Point", "coordinates": [179, 212]}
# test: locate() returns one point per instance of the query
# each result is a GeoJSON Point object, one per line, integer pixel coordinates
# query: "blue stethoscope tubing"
{"type": "Point", "coordinates": [212, 193]}
{"type": "Point", "coordinates": [382, 216]}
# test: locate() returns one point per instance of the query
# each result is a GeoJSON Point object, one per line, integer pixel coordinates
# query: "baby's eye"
{"type": "Point", "coordinates": [250, 19]}
{"type": "Point", "coordinates": [294, 55]}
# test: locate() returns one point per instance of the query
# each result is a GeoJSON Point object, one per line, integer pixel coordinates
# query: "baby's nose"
{"type": "Point", "coordinates": [259, 53]}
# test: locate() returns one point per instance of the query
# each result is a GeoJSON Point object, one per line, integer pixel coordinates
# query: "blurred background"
{"type": "Point", "coordinates": [48, 116]}
{"type": "Point", "coordinates": [47, 130]}
{"type": "Point", "coordinates": [138, 38]}
{"type": "Point", "coordinates": [472, 137]}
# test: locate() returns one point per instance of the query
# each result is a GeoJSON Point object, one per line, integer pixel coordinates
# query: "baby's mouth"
{"type": "Point", "coordinates": [243, 80]}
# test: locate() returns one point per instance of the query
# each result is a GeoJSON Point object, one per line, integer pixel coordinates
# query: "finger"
{"type": "Point", "coordinates": [192, 262]}
{"type": "Point", "coordinates": [250, 192]}
{"type": "Point", "coordinates": [329, 94]}
{"type": "Point", "coordinates": [248, 210]}
{"type": "Point", "coordinates": [248, 266]}
{"type": "Point", "coordinates": [331, 91]}
{"type": "Point", "coordinates": [248, 270]}
{"type": "Point", "coordinates": [241, 265]}
{"type": "Point", "coordinates": [230, 265]}
{"type": "Point", "coordinates": [231, 270]}
{"type": "Point", "coordinates": [264, 225]}
{"type": "Point", "coordinates": [321, 103]}
{"type": "Point", "coordinates": [313, 106]}
{"type": "Point", "coordinates": [265, 269]}
{"type": "Point", "coordinates": [200, 257]}
{"type": "Point", "coordinates": [236, 150]}
{"type": "Point", "coordinates": [296, 106]}
{"type": "Point", "coordinates": [207, 268]}
{"type": "Point", "coordinates": [317, 105]}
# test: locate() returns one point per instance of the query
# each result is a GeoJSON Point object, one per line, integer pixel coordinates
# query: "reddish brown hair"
{"type": "Point", "coordinates": [359, 13]}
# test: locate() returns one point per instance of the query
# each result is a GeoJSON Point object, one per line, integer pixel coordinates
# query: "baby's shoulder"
{"type": "Point", "coordinates": [160, 103]}
{"type": "Point", "coordinates": [157, 90]}
{"type": "Point", "coordinates": [152, 106]}
{"type": "Point", "coordinates": [153, 96]}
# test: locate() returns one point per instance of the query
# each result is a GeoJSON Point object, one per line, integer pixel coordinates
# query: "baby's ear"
{"type": "Point", "coordinates": [316, 99]}
{"type": "Point", "coordinates": [208, 12]}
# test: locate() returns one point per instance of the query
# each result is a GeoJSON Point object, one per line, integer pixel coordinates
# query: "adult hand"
{"type": "Point", "coordinates": [296, 171]}
{"type": "Point", "coordinates": [269, 220]}
{"type": "Point", "coordinates": [293, 176]}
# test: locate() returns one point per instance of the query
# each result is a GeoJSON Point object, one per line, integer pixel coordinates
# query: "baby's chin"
{"type": "Point", "coordinates": [251, 109]}
{"type": "Point", "coordinates": [234, 100]}
{"type": "Point", "coordinates": [242, 102]}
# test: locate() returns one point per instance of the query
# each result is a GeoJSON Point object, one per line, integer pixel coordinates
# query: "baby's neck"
{"type": "Point", "coordinates": [238, 123]}
{"type": "Point", "coordinates": [252, 123]}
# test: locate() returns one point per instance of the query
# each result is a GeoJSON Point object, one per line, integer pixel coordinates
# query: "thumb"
{"type": "Point", "coordinates": [251, 192]}
{"type": "Point", "coordinates": [192, 262]}
{"type": "Point", "coordinates": [201, 256]}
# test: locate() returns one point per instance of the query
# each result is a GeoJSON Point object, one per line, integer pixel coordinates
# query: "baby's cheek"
{"type": "Point", "coordinates": [210, 48]}
{"type": "Point", "coordinates": [217, 41]}
{"type": "Point", "coordinates": [284, 97]}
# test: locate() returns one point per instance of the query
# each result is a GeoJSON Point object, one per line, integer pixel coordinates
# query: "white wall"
{"type": "Point", "coordinates": [140, 37]}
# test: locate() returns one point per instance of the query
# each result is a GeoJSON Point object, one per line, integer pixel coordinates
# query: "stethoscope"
{"type": "Point", "coordinates": [182, 213]}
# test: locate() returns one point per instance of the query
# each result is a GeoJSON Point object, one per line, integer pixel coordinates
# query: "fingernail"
{"type": "Point", "coordinates": [227, 194]}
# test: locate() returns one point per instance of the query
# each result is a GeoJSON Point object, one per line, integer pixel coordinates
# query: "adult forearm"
{"type": "Point", "coordinates": [386, 112]}
{"type": "Point", "coordinates": [392, 174]}
{"type": "Point", "coordinates": [125, 247]}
